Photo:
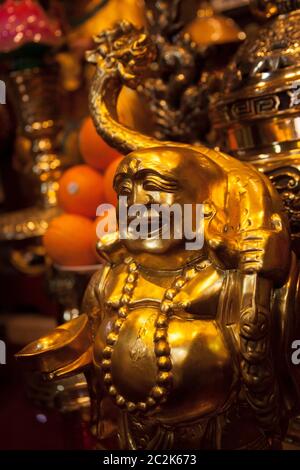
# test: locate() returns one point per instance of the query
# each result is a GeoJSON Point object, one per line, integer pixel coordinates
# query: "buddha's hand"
{"type": "Point", "coordinates": [261, 251]}
{"type": "Point", "coordinates": [264, 251]}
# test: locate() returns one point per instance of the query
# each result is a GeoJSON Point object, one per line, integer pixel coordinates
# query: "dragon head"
{"type": "Point", "coordinates": [124, 52]}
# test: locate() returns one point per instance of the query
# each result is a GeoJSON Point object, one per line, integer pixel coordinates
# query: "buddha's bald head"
{"type": "Point", "coordinates": [175, 168]}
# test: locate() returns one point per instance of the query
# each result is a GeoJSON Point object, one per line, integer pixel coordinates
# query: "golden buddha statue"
{"type": "Point", "coordinates": [182, 349]}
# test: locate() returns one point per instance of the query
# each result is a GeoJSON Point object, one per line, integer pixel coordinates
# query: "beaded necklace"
{"type": "Point", "coordinates": [160, 390]}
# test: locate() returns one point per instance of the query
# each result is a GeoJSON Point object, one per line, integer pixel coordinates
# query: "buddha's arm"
{"type": "Point", "coordinates": [265, 230]}
{"type": "Point", "coordinates": [258, 372]}
{"type": "Point", "coordinates": [92, 303]}
{"type": "Point", "coordinates": [252, 230]}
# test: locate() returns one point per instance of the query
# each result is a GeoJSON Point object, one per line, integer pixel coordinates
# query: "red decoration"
{"type": "Point", "coordinates": [25, 21]}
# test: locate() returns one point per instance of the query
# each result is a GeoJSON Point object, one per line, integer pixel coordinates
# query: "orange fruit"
{"type": "Point", "coordinates": [68, 240]}
{"type": "Point", "coordinates": [212, 30]}
{"type": "Point", "coordinates": [81, 190]}
{"type": "Point", "coordinates": [133, 112]}
{"type": "Point", "coordinates": [95, 151]}
{"type": "Point", "coordinates": [109, 192]}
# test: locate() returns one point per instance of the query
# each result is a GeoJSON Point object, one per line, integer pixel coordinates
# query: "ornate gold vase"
{"type": "Point", "coordinates": [257, 113]}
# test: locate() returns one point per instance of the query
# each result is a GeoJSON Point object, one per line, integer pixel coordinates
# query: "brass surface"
{"type": "Point", "coordinates": [256, 114]}
{"type": "Point", "coordinates": [181, 347]}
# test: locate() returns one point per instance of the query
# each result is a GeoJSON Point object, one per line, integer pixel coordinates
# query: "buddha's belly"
{"type": "Point", "coordinates": [202, 367]}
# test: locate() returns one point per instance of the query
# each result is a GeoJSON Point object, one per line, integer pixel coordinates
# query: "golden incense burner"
{"type": "Point", "coordinates": [256, 114]}
{"type": "Point", "coordinates": [182, 349]}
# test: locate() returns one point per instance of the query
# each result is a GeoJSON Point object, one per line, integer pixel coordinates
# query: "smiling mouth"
{"type": "Point", "coordinates": [156, 225]}
{"type": "Point", "coordinates": [158, 232]}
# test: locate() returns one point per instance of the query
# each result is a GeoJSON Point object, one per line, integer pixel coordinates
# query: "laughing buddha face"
{"type": "Point", "coordinates": [164, 177]}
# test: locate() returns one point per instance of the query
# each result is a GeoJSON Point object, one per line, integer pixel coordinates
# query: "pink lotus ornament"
{"type": "Point", "coordinates": [26, 22]}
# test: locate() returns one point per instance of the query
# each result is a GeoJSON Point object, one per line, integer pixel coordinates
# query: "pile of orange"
{"type": "Point", "coordinates": [96, 153]}
{"type": "Point", "coordinates": [70, 239]}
